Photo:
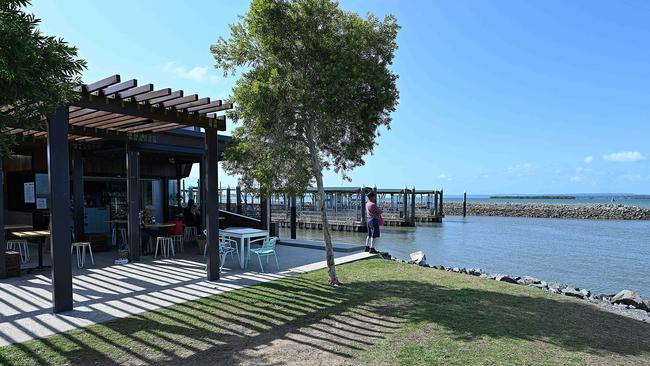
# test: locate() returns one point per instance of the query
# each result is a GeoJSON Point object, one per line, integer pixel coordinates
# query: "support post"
{"type": "Point", "coordinates": [228, 203]}
{"type": "Point", "coordinates": [165, 201]}
{"type": "Point", "coordinates": [413, 207]}
{"type": "Point", "coordinates": [3, 244]}
{"type": "Point", "coordinates": [406, 201]}
{"type": "Point", "coordinates": [442, 213]}
{"type": "Point", "coordinates": [363, 207]}
{"type": "Point", "coordinates": [239, 206]}
{"type": "Point", "coordinates": [178, 194]}
{"type": "Point", "coordinates": [58, 163]}
{"type": "Point", "coordinates": [211, 200]}
{"type": "Point", "coordinates": [202, 190]}
{"type": "Point", "coordinates": [294, 220]}
{"type": "Point", "coordinates": [264, 212]}
{"type": "Point", "coordinates": [435, 203]}
{"type": "Point", "coordinates": [464, 204]}
{"type": "Point", "coordinates": [133, 202]}
{"type": "Point", "coordinates": [78, 194]}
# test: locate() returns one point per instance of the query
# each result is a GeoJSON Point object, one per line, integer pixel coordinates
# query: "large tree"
{"type": "Point", "coordinates": [37, 72]}
{"type": "Point", "coordinates": [315, 88]}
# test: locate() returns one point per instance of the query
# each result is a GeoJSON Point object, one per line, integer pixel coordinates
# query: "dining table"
{"type": "Point", "coordinates": [158, 229]}
{"type": "Point", "coordinates": [244, 236]}
{"type": "Point", "coordinates": [40, 235]}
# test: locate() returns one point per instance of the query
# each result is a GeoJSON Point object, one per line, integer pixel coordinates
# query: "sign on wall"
{"type": "Point", "coordinates": [28, 188]}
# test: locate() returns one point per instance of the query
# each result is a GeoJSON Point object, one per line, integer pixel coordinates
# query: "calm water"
{"type": "Point", "coordinates": [601, 255]}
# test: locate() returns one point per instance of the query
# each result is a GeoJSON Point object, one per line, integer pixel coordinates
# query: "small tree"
{"type": "Point", "coordinates": [316, 86]}
{"type": "Point", "coordinates": [37, 73]}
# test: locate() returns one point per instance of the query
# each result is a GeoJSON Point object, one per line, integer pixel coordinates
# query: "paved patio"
{"type": "Point", "coordinates": [105, 291]}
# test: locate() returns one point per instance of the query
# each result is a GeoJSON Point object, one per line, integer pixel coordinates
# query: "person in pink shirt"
{"type": "Point", "coordinates": [373, 215]}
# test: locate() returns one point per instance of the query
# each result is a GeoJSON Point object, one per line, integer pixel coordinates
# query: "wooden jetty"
{"type": "Point", "coordinates": [345, 207]}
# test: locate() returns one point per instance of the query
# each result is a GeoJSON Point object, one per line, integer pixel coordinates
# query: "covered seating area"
{"type": "Point", "coordinates": [121, 132]}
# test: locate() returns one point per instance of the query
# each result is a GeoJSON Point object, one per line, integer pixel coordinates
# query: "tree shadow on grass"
{"type": "Point", "coordinates": [296, 320]}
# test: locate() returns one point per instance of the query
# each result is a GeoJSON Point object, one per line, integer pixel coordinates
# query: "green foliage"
{"type": "Point", "coordinates": [315, 89]}
{"type": "Point", "coordinates": [37, 73]}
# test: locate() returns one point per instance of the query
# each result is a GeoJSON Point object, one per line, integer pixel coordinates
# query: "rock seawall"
{"type": "Point", "coordinates": [625, 302]}
{"type": "Point", "coordinates": [604, 212]}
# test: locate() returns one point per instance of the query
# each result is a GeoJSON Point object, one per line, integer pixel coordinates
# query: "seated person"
{"type": "Point", "coordinates": [147, 217]}
{"type": "Point", "coordinates": [192, 216]}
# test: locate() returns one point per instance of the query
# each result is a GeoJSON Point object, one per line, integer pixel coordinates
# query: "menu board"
{"type": "Point", "coordinates": [28, 188]}
{"type": "Point", "coordinates": [41, 203]}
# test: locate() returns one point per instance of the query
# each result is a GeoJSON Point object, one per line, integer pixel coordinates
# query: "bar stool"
{"type": "Point", "coordinates": [166, 244]}
{"type": "Point", "coordinates": [122, 233]}
{"type": "Point", "coordinates": [81, 259]}
{"type": "Point", "coordinates": [178, 242]}
{"type": "Point", "coordinates": [22, 247]}
{"type": "Point", "coordinates": [189, 234]}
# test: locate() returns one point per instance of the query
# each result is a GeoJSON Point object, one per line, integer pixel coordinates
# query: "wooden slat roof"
{"type": "Point", "coordinates": [113, 109]}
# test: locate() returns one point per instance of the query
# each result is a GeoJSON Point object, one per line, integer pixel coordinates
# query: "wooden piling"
{"type": "Point", "coordinates": [464, 204]}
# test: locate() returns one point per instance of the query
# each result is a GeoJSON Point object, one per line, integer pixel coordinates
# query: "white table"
{"type": "Point", "coordinates": [244, 235]}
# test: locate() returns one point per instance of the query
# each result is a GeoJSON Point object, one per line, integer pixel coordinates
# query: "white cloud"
{"type": "Point", "coordinates": [624, 156]}
{"type": "Point", "coordinates": [636, 177]}
{"type": "Point", "coordinates": [444, 176]}
{"type": "Point", "coordinates": [589, 159]}
{"type": "Point", "coordinates": [198, 73]}
{"type": "Point", "coordinates": [582, 170]}
{"type": "Point", "coordinates": [576, 179]}
{"type": "Point", "coordinates": [520, 169]}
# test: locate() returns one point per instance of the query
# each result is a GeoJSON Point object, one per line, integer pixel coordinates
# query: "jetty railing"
{"type": "Point", "coordinates": [345, 207]}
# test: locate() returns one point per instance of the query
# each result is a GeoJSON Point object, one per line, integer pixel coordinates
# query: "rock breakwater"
{"type": "Point", "coordinates": [560, 211]}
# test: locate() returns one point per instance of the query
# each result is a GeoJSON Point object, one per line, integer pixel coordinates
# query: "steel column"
{"type": "Point", "coordinates": [228, 203]}
{"type": "Point", "coordinates": [239, 206]}
{"type": "Point", "coordinates": [293, 216]}
{"type": "Point", "coordinates": [210, 179]}
{"type": "Point", "coordinates": [3, 244]}
{"type": "Point", "coordinates": [264, 212]}
{"type": "Point", "coordinates": [202, 189]}
{"type": "Point", "coordinates": [165, 202]}
{"type": "Point", "coordinates": [58, 162]}
{"type": "Point", "coordinates": [78, 194]}
{"type": "Point", "coordinates": [133, 201]}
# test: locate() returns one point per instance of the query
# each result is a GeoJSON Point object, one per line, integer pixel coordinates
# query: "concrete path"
{"type": "Point", "coordinates": [320, 245]}
{"type": "Point", "coordinates": [104, 291]}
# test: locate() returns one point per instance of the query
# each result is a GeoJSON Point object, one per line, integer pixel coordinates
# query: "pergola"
{"type": "Point", "coordinates": [113, 110]}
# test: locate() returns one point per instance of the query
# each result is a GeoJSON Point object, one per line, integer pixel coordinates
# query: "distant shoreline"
{"type": "Point", "coordinates": [535, 197]}
{"type": "Point", "coordinates": [549, 210]}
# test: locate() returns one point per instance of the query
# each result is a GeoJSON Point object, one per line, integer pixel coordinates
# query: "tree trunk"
{"type": "Point", "coordinates": [329, 251]}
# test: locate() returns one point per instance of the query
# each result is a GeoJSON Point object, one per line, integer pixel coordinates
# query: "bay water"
{"type": "Point", "coordinates": [604, 256]}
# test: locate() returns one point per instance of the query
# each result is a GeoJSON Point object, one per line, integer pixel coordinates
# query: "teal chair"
{"type": "Point", "coordinates": [266, 250]}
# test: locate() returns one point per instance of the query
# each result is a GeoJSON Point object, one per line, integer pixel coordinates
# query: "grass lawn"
{"type": "Point", "coordinates": [387, 313]}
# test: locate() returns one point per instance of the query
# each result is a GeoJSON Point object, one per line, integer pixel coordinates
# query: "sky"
{"type": "Point", "coordinates": [495, 97]}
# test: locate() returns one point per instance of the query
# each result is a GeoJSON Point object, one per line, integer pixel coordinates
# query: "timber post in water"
{"type": "Point", "coordinates": [435, 204]}
{"type": "Point", "coordinates": [464, 204]}
{"type": "Point", "coordinates": [442, 213]}
{"type": "Point", "coordinates": [412, 221]}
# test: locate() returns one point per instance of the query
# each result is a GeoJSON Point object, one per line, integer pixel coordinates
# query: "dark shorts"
{"type": "Point", "coordinates": [373, 228]}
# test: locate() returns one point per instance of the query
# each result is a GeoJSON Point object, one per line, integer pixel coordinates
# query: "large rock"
{"type": "Point", "coordinates": [528, 281]}
{"type": "Point", "coordinates": [505, 278]}
{"type": "Point", "coordinates": [629, 297]}
{"type": "Point", "coordinates": [569, 291]}
{"type": "Point", "coordinates": [419, 258]}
